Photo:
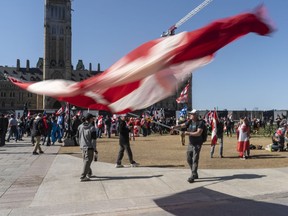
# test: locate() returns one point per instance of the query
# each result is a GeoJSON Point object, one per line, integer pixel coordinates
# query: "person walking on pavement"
{"type": "Point", "coordinates": [48, 128]}
{"type": "Point", "coordinates": [195, 128]}
{"type": "Point", "coordinates": [13, 125]}
{"type": "Point", "coordinates": [37, 132]}
{"type": "Point", "coordinates": [108, 123]}
{"type": "Point", "coordinates": [124, 143]}
{"type": "Point", "coordinates": [3, 128]}
{"type": "Point", "coordinates": [75, 124]}
{"type": "Point", "coordinates": [86, 137]}
{"type": "Point", "coordinates": [31, 123]}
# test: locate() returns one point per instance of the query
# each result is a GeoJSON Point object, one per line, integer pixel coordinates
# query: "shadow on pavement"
{"type": "Point", "coordinates": [164, 166]}
{"type": "Point", "coordinates": [227, 178]}
{"type": "Point", "coordinates": [100, 178]}
{"type": "Point", "coordinates": [203, 201]}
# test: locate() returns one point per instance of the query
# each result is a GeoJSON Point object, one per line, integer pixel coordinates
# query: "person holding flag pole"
{"type": "Point", "coordinates": [195, 128]}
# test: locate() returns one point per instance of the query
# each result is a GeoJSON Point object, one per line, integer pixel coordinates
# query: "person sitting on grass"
{"type": "Point", "coordinates": [278, 137]}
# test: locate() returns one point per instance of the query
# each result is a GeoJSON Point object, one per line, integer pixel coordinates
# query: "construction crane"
{"type": "Point", "coordinates": [171, 30]}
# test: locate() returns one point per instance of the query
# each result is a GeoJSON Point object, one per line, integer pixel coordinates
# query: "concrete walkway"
{"type": "Point", "coordinates": [49, 184]}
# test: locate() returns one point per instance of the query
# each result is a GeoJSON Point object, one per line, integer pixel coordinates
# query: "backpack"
{"type": "Point", "coordinates": [204, 132]}
{"type": "Point", "coordinates": [40, 126]}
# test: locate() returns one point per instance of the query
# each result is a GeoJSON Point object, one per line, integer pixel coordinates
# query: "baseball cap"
{"type": "Point", "coordinates": [89, 116]}
{"type": "Point", "coordinates": [194, 111]}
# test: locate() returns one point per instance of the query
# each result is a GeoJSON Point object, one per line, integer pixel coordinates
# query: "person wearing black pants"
{"type": "Point", "coordinates": [3, 129]}
{"type": "Point", "coordinates": [195, 128]}
{"type": "Point", "coordinates": [124, 143]}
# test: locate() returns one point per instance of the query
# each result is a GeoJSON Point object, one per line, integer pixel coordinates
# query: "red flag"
{"type": "Point", "coordinates": [183, 98]}
{"type": "Point", "coordinates": [151, 72]}
{"type": "Point", "coordinates": [214, 128]}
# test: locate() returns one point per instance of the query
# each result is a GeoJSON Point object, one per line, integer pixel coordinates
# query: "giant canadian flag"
{"type": "Point", "coordinates": [152, 71]}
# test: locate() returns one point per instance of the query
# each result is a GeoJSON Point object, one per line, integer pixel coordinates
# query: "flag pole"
{"type": "Point", "coordinates": [132, 114]}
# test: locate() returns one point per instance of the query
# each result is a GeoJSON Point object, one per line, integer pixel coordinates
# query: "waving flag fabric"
{"type": "Point", "coordinates": [214, 128]}
{"type": "Point", "coordinates": [183, 98]}
{"type": "Point", "coordinates": [60, 111]}
{"type": "Point", "coordinates": [208, 117]}
{"type": "Point", "coordinates": [151, 72]}
{"type": "Point", "coordinates": [67, 109]}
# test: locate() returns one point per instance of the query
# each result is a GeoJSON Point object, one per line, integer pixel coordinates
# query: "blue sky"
{"type": "Point", "coordinates": [249, 73]}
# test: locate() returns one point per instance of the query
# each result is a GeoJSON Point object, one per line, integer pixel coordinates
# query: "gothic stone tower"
{"type": "Point", "coordinates": [57, 44]}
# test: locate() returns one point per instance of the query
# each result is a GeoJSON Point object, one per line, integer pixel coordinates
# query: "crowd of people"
{"type": "Point", "coordinates": [46, 129]}
{"type": "Point", "coordinates": [56, 127]}
{"type": "Point", "coordinates": [192, 125]}
{"type": "Point", "coordinates": [242, 129]}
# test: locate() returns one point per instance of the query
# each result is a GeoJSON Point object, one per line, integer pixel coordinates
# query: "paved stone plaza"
{"type": "Point", "coordinates": [49, 184]}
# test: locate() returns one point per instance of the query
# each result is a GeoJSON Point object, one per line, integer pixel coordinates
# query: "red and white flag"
{"type": "Point", "coordinates": [67, 109]}
{"type": "Point", "coordinates": [152, 71]}
{"type": "Point", "coordinates": [214, 123]}
{"type": "Point", "coordinates": [183, 98]}
{"type": "Point", "coordinates": [60, 111]}
{"type": "Point", "coordinates": [208, 117]}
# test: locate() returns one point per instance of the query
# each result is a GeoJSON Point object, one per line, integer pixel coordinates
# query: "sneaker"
{"type": "Point", "coordinates": [195, 176]}
{"type": "Point", "coordinates": [135, 164]}
{"type": "Point", "coordinates": [35, 153]}
{"type": "Point", "coordinates": [190, 180]}
{"type": "Point", "coordinates": [41, 152]}
{"type": "Point", "coordinates": [95, 156]}
{"type": "Point", "coordinates": [84, 179]}
{"type": "Point", "coordinates": [119, 166]}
